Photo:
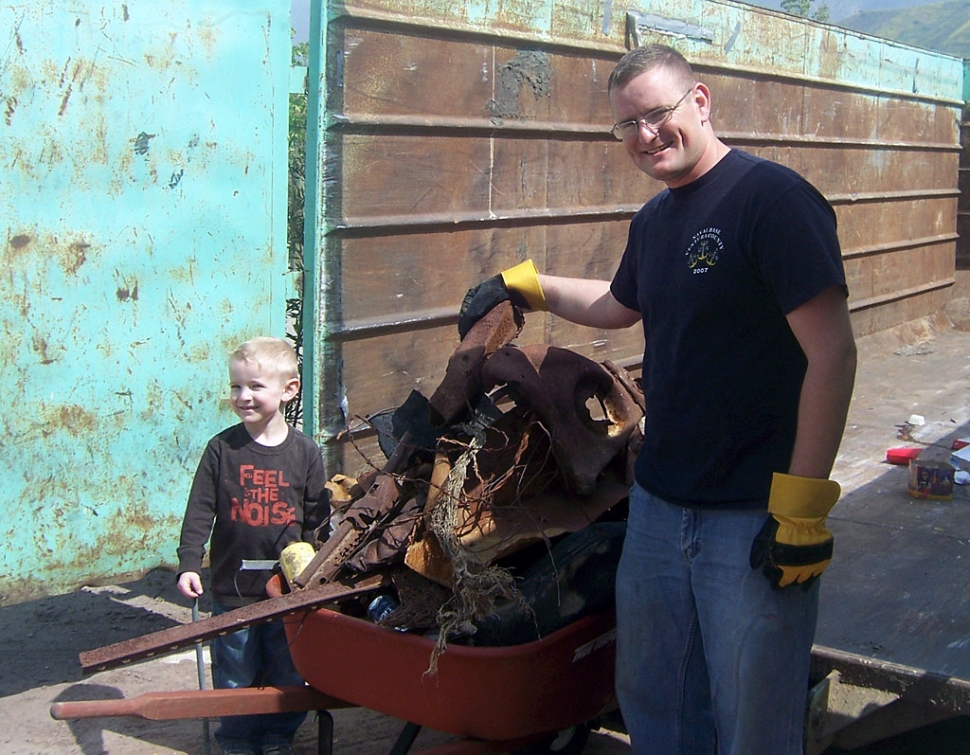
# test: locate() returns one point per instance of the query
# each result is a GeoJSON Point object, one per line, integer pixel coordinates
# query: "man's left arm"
{"type": "Point", "coordinates": [794, 545]}
{"type": "Point", "coordinates": [824, 331]}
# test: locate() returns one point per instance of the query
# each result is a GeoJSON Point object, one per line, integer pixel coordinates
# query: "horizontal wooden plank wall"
{"type": "Point", "coordinates": [456, 147]}
{"type": "Point", "coordinates": [887, 165]}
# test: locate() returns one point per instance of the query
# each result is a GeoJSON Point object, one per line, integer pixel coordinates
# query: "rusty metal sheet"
{"type": "Point", "coordinates": [866, 226]}
{"type": "Point", "coordinates": [388, 274]}
{"type": "Point", "coordinates": [183, 635]}
{"type": "Point", "coordinates": [143, 235]}
{"type": "Point", "coordinates": [363, 522]}
{"type": "Point", "coordinates": [462, 383]}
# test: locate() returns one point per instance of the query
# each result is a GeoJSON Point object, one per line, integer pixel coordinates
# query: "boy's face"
{"type": "Point", "coordinates": [257, 395]}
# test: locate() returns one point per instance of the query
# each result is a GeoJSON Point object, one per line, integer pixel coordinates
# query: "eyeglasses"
{"type": "Point", "coordinates": [652, 121]}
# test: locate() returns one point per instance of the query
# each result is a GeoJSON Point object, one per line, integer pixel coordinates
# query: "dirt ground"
{"type": "Point", "coordinates": [42, 638]}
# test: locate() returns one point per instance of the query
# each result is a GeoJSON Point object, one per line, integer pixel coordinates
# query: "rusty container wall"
{"type": "Point", "coordinates": [457, 138]}
{"type": "Point", "coordinates": [875, 126]}
{"type": "Point", "coordinates": [143, 207]}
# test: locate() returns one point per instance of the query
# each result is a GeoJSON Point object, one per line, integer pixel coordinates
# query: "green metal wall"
{"type": "Point", "coordinates": [142, 213]}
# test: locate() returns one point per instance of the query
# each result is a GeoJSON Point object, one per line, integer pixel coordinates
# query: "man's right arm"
{"type": "Point", "coordinates": [586, 302]}
{"type": "Point", "coordinates": [582, 301]}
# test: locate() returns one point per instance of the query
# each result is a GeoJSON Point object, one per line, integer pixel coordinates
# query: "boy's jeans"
{"type": "Point", "coordinates": [709, 657]}
{"type": "Point", "coordinates": [250, 657]}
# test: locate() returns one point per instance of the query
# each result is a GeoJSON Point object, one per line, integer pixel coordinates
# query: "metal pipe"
{"type": "Point", "coordinates": [200, 666]}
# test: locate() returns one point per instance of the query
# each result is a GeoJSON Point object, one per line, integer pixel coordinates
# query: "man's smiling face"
{"type": "Point", "coordinates": [674, 151]}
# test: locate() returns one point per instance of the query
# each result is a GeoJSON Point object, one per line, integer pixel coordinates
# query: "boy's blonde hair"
{"type": "Point", "coordinates": [274, 354]}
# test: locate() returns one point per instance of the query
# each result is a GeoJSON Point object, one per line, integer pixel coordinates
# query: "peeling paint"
{"type": "Point", "coordinates": [75, 257]}
{"type": "Point", "coordinates": [124, 294]}
{"type": "Point", "coordinates": [528, 71]}
{"type": "Point", "coordinates": [74, 419]}
{"type": "Point", "coordinates": [141, 143]}
{"type": "Point", "coordinates": [642, 23]}
{"type": "Point", "coordinates": [41, 347]}
{"type": "Point", "coordinates": [10, 107]}
{"type": "Point", "coordinates": [64, 99]}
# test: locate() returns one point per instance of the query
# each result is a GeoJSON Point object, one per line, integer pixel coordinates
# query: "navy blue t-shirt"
{"type": "Point", "coordinates": [713, 267]}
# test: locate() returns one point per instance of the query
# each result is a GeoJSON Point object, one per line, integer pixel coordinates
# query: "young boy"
{"type": "Point", "coordinates": [263, 484]}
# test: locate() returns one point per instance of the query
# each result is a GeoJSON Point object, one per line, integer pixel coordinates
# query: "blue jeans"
{"type": "Point", "coordinates": [710, 659]}
{"type": "Point", "coordinates": [254, 656]}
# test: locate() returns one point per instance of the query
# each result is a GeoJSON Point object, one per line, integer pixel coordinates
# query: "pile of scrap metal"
{"type": "Point", "coordinates": [517, 448]}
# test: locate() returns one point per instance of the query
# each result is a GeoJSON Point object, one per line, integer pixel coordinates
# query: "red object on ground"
{"type": "Point", "coordinates": [902, 455]}
{"type": "Point", "coordinates": [492, 693]}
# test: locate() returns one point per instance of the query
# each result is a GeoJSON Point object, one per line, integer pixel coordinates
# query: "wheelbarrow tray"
{"type": "Point", "coordinates": [492, 693]}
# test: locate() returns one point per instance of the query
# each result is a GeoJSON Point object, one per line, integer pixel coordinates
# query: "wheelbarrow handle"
{"type": "Point", "coordinates": [208, 703]}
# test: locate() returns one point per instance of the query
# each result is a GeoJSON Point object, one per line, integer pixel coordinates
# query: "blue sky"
{"type": "Point", "coordinates": [300, 19]}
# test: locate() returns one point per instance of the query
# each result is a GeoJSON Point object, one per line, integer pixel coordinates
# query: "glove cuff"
{"type": "Point", "coordinates": [524, 279]}
{"type": "Point", "coordinates": [795, 496]}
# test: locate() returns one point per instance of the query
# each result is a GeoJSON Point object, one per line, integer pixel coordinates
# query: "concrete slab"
{"type": "Point", "coordinates": [897, 588]}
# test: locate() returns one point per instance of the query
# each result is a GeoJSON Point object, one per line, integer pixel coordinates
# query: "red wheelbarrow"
{"type": "Point", "coordinates": [507, 696]}
{"type": "Point", "coordinates": [536, 696]}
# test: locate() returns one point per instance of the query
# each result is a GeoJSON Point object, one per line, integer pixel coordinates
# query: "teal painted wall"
{"type": "Point", "coordinates": [142, 214]}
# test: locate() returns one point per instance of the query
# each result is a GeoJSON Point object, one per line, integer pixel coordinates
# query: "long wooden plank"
{"type": "Point", "coordinates": [176, 638]}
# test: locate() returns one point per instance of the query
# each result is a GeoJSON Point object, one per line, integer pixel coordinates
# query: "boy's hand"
{"type": "Point", "coordinates": [190, 584]}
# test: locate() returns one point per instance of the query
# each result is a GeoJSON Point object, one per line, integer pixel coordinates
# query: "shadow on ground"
{"type": "Point", "coordinates": [42, 638]}
{"type": "Point", "coordinates": [946, 738]}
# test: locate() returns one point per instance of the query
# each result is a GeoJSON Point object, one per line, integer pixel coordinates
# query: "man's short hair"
{"type": "Point", "coordinates": [270, 353]}
{"type": "Point", "coordinates": [642, 59]}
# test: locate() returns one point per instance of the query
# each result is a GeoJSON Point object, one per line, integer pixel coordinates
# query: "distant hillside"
{"type": "Point", "coordinates": [944, 27]}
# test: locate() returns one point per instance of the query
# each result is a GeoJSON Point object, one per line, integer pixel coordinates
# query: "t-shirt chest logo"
{"type": "Point", "coordinates": [263, 503]}
{"type": "Point", "coordinates": [705, 246]}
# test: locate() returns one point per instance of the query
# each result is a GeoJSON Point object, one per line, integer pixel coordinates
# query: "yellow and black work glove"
{"type": "Point", "coordinates": [795, 546]}
{"type": "Point", "coordinates": [519, 284]}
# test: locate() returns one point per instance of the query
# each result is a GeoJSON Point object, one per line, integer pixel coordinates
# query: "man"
{"type": "Point", "coordinates": [735, 272]}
